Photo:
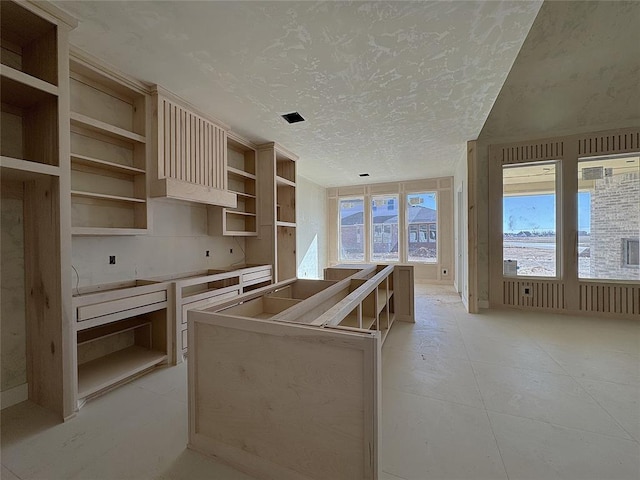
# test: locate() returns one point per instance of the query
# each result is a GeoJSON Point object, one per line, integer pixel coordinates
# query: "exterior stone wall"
{"type": "Point", "coordinates": [615, 215]}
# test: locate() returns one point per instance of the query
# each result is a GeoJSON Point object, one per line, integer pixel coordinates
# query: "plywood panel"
{"type": "Point", "coordinates": [290, 398]}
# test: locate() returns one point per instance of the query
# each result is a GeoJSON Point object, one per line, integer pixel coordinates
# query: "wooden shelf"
{"type": "Point", "coordinates": [240, 233]}
{"type": "Point", "coordinates": [26, 80]}
{"type": "Point", "coordinates": [239, 212]}
{"type": "Point", "coordinates": [285, 224]}
{"type": "Point", "coordinates": [104, 165]}
{"type": "Point", "coordinates": [100, 231]}
{"type": "Point", "coordinates": [240, 173]}
{"type": "Point", "coordinates": [351, 320]}
{"type": "Point", "coordinates": [17, 166]}
{"type": "Point", "coordinates": [283, 181]}
{"type": "Point", "coordinates": [22, 95]}
{"type": "Point", "coordinates": [106, 371]}
{"type": "Point", "coordinates": [104, 128]}
{"type": "Point", "coordinates": [242, 194]}
{"type": "Point", "coordinates": [102, 196]}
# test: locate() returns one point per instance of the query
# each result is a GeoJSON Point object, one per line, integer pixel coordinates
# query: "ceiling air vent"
{"type": "Point", "coordinates": [293, 117]}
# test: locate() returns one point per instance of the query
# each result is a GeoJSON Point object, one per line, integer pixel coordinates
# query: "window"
{"type": "Point", "coordinates": [529, 219]}
{"type": "Point", "coordinates": [422, 221]}
{"type": "Point", "coordinates": [384, 220]}
{"type": "Point", "coordinates": [631, 252]}
{"type": "Point", "coordinates": [609, 217]}
{"type": "Point", "coordinates": [352, 229]}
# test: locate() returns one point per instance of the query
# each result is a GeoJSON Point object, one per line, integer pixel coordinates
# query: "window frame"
{"type": "Point", "coordinates": [428, 227]}
{"type": "Point", "coordinates": [559, 195]}
{"type": "Point", "coordinates": [364, 228]}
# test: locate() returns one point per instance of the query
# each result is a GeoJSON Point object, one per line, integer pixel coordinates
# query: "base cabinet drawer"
{"type": "Point", "coordinates": [87, 312]}
{"type": "Point", "coordinates": [207, 302]}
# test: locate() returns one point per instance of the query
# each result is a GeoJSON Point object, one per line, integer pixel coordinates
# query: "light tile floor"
{"type": "Point", "coordinates": [491, 396]}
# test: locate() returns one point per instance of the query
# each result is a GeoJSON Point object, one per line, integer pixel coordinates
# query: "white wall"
{"type": "Point", "coordinates": [311, 217]}
{"type": "Point", "coordinates": [177, 243]}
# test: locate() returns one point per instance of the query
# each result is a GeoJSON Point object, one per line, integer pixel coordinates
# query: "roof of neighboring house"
{"type": "Point", "coordinates": [417, 214]}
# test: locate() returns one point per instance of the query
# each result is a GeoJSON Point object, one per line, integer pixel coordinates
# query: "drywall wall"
{"type": "Point", "coordinates": [13, 361]}
{"type": "Point", "coordinates": [177, 243]}
{"type": "Point", "coordinates": [311, 218]}
{"type": "Point", "coordinates": [578, 71]}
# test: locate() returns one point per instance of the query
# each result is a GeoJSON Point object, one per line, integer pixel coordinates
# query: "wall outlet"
{"type": "Point", "coordinates": [112, 259]}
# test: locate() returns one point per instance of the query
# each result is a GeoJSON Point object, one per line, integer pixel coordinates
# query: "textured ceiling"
{"type": "Point", "coordinates": [394, 89]}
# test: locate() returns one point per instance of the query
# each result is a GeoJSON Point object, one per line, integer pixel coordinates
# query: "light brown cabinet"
{"type": "Point", "coordinates": [108, 150]}
{"type": "Point", "coordinates": [34, 159]}
{"type": "Point", "coordinates": [298, 375]}
{"type": "Point", "coordinates": [276, 240]}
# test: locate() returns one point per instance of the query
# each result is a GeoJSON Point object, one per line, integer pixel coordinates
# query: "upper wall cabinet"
{"type": "Point", "coordinates": [191, 154]}
{"type": "Point", "coordinates": [108, 150]}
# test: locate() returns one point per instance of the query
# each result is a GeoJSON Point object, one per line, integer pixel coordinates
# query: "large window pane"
{"type": "Point", "coordinates": [384, 222]}
{"type": "Point", "coordinates": [422, 220]}
{"type": "Point", "coordinates": [609, 218]}
{"type": "Point", "coordinates": [352, 229]}
{"type": "Point", "coordinates": [529, 219]}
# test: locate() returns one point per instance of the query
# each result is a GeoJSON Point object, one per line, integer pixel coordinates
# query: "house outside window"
{"type": "Point", "coordinates": [422, 221]}
{"type": "Point", "coordinates": [351, 230]}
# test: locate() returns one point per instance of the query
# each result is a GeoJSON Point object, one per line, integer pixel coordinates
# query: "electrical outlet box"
{"type": "Point", "coordinates": [112, 259]}
{"type": "Point", "coordinates": [526, 291]}
{"type": "Point", "coordinates": [206, 254]}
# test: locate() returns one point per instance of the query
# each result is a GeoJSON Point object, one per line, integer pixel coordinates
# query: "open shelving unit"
{"type": "Point", "coordinates": [33, 165]}
{"type": "Point", "coordinates": [108, 150]}
{"type": "Point", "coordinates": [276, 242]}
{"type": "Point", "coordinates": [241, 221]}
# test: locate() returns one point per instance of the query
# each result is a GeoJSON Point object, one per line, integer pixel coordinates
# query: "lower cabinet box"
{"type": "Point", "coordinates": [112, 353]}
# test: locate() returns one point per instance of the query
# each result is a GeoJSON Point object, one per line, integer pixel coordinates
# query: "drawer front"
{"type": "Point", "coordinates": [184, 339]}
{"type": "Point", "coordinates": [88, 312]}
{"type": "Point", "coordinates": [207, 302]}
{"type": "Point", "coordinates": [256, 277]}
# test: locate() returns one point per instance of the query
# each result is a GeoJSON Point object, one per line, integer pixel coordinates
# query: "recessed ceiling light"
{"type": "Point", "coordinates": [293, 117]}
{"type": "Point", "coordinates": [364, 174]}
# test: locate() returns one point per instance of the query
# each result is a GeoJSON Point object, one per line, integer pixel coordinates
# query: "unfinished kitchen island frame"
{"type": "Point", "coordinates": [280, 388]}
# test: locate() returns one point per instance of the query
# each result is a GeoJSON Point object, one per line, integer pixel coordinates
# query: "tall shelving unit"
{"type": "Point", "coordinates": [276, 240]}
{"type": "Point", "coordinates": [108, 150]}
{"type": "Point", "coordinates": [34, 164]}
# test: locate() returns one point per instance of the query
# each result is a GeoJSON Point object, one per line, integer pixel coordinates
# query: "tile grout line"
{"type": "Point", "coordinates": [486, 412]}
{"type": "Point", "coordinates": [615, 420]}
{"type": "Point", "coordinates": [12, 472]}
{"type": "Point", "coordinates": [573, 429]}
